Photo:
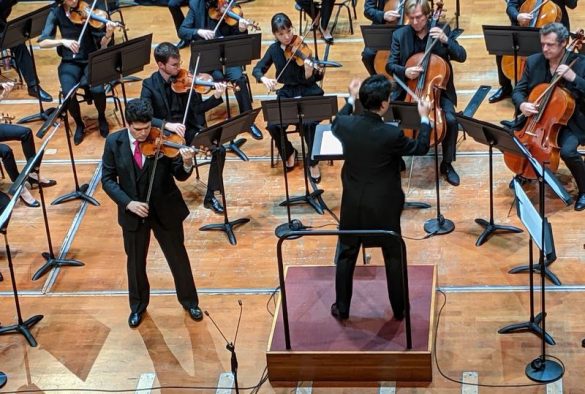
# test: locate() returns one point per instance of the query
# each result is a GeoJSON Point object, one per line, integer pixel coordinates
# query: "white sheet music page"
{"type": "Point", "coordinates": [330, 145]}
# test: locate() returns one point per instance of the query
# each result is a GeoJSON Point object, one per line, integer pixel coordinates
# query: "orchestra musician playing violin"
{"type": "Point", "coordinates": [298, 80]}
{"type": "Point", "coordinates": [520, 18]}
{"type": "Point", "coordinates": [22, 57]}
{"type": "Point", "coordinates": [374, 10]}
{"type": "Point", "coordinates": [170, 106]}
{"type": "Point", "coordinates": [74, 49]}
{"type": "Point", "coordinates": [199, 24]}
{"type": "Point", "coordinates": [540, 68]}
{"type": "Point", "coordinates": [412, 39]}
{"type": "Point", "coordinates": [128, 177]}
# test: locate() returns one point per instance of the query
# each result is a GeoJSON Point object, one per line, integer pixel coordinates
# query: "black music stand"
{"type": "Point", "coordinates": [22, 326]}
{"type": "Point", "coordinates": [378, 37]}
{"type": "Point", "coordinates": [213, 137]}
{"type": "Point", "coordinates": [115, 63]}
{"type": "Point", "coordinates": [541, 369]}
{"type": "Point", "coordinates": [512, 41]}
{"type": "Point", "coordinates": [492, 136]}
{"type": "Point", "coordinates": [302, 110]}
{"type": "Point", "coordinates": [34, 165]}
{"type": "Point", "coordinates": [3, 379]}
{"type": "Point", "coordinates": [80, 191]}
{"type": "Point", "coordinates": [220, 53]}
{"type": "Point", "coordinates": [19, 31]}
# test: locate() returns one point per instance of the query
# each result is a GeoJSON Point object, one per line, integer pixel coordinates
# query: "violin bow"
{"type": "Point", "coordinates": [555, 81]}
{"type": "Point", "coordinates": [191, 89]}
{"type": "Point", "coordinates": [223, 16]}
{"type": "Point", "coordinates": [84, 28]}
{"type": "Point", "coordinates": [433, 43]}
{"type": "Point", "coordinates": [538, 7]}
{"type": "Point", "coordinates": [156, 156]}
{"type": "Point", "coordinates": [406, 88]}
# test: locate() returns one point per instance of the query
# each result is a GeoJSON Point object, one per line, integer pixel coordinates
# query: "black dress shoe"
{"type": "Point", "coordinates": [213, 204]}
{"type": "Point", "coordinates": [580, 203]}
{"type": "Point", "coordinates": [337, 314]}
{"type": "Point", "coordinates": [296, 155]}
{"type": "Point", "coordinates": [315, 179]}
{"type": "Point", "coordinates": [182, 44]}
{"type": "Point", "coordinates": [79, 134]}
{"type": "Point", "coordinates": [195, 313]}
{"type": "Point", "coordinates": [36, 204]}
{"type": "Point", "coordinates": [103, 126]}
{"type": "Point", "coordinates": [450, 175]}
{"type": "Point", "coordinates": [48, 183]}
{"type": "Point", "coordinates": [135, 319]}
{"type": "Point", "coordinates": [32, 91]}
{"type": "Point", "coordinates": [520, 179]}
{"type": "Point", "coordinates": [500, 94]}
{"type": "Point", "coordinates": [255, 132]}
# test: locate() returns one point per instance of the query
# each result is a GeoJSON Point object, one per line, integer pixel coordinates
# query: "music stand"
{"type": "Point", "coordinates": [302, 110]}
{"type": "Point", "coordinates": [541, 369]}
{"type": "Point", "coordinates": [114, 63]}
{"type": "Point", "coordinates": [214, 137]}
{"type": "Point", "coordinates": [378, 37]}
{"type": "Point", "coordinates": [22, 326]}
{"type": "Point", "coordinates": [19, 31]}
{"type": "Point", "coordinates": [34, 165]}
{"type": "Point", "coordinates": [220, 53]}
{"type": "Point", "coordinates": [512, 41]}
{"type": "Point", "coordinates": [492, 136]}
{"type": "Point", "coordinates": [3, 379]}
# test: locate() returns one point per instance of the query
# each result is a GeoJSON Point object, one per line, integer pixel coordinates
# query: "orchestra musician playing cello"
{"type": "Point", "coordinates": [74, 50]}
{"type": "Point", "coordinates": [540, 68]}
{"type": "Point", "coordinates": [411, 39]}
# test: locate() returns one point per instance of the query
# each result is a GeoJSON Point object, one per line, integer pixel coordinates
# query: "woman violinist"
{"type": "Point", "coordinates": [74, 50]}
{"type": "Point", "coordinates": [298, 81]}
{"type": "Point", "coordinates": [412, 39]}
{"type": "Point", "coordinates": [540, 68]}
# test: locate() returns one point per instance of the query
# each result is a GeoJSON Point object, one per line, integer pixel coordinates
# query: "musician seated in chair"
{"type": "Point", "coordinates": [374, 11]}
{"type": "Point", "coordinates": [411, 39]}
{"type": "Point", "coordinates": [540, 68]}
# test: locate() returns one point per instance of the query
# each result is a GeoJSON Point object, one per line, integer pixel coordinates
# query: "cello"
{"type": "Point", "coordinates": [431, 81]}
{"type": "Point", "coordinates": [382, 55]}
{"type": "Point", "coordinates": [555, 107]}
{"type": "Point", "coordinates": [543, 12]}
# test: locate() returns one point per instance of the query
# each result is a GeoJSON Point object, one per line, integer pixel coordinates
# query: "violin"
{"type": "Point", "coordinates": [431, 81]}
{"type": "Point", "coordinates": [381, 57]}
{"type": "Point", "coordinates": [158, 142]}
{"type": "Point", "coordinates": [203, 83]}
{"type": "Point", "coordinates": [233, 14]}
{"type": "Point", "coordinates": [540, 132]}
{"type": "Point", "coordinates": [300, 53]}
{"type": "Point", "coordinates": [97, 18]}
{"type": "Point", "coordinates": [543, 12]}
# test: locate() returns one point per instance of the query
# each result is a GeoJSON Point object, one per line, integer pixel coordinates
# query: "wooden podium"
{"type": "Point", "coordinates": [369, 347]}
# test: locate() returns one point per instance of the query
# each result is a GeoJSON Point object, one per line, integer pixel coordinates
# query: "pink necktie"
{"type": "Point", "coordinates": [137, 154]}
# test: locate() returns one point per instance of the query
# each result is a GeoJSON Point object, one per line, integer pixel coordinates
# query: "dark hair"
{"type": "Point", "coordinates": [373, 91]}
{"type": "Point", "coordinates": [280, 22]}
{"type": "Point", "coordinates": [558, 28]}
{"type": "Point", "coordinates": [138, 110]}
{"type": "Point", "coordinates": [164, 51]}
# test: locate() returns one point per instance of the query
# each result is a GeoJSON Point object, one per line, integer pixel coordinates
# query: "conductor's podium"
{"type": "Point", "coordinates": [369, 347]}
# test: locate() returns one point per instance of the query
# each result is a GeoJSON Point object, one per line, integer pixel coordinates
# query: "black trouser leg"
{"type": "Point", "coordinates": [9, 162]}
{"type": "Point", "coordinates": [449, 144]}
{"type": "Point", "coordinates": [176, 13]}
{"type": "Point", "coordinates": [215, 172]}
{"type": "Point", "coordinates": [275, 133]}
{"type": "Point", "coordinates": [136, 247]}
{"type": "Point", "coordinates": [309, 131]}
{"type": "Point", "coordinates": [70, 73]}
{"type": "Point", "coordinates": [348, 248]}
{"type": "Point", "coordinates": [391, 251]}
{"type": "Point", "coordinates": [11, 132]}
{"type": "Point", "coordinates": [172, 243]}
{"type": "Point", "coordinates": [503, 80]}
{"type": "Point", "coordinates": [572, 158]}
{"type": "Point", "coordinates": [25, 65]}
{"type": "Point", "coordinates": [368, 56]}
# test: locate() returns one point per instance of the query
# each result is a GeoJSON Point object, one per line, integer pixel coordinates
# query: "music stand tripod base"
{"type": "Point", "coordinates": [548, 371]}
{"type": "Point", "coordinates": [24, 329]}
{"type": "Point", "coordinates": [234, 146]}
{"type": "Point", "coordinates": [77, 195]}
{"type": "Point", "coordinates": [309, 198]}
{"type": "Point", "coordinates": [52, 262]}
{"type": "Point", "coordinates": [416, 205]}
{"type": "Point", "coordinates": [490, 228]}
{"type": "Point", "coordinates": [548, 273]}
{"type": "Point", "coordinates": [439, 226]}
{"type": "Point", "coordinates": [529, 326]}
{"type": "Point", "coordinates": [228, 228]}
{"type": "Point", "coordinates": [3, 379]}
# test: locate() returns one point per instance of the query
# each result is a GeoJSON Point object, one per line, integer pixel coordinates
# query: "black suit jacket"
{"type": "Point", "coordinates": [403, 48]}
{"type": "Point", "coordinates": [120, 177]}
{"type": "Point", "coordinates": [374, 11]}
{"type": "Point", "coordinates": [153, 91]}
{"type": "Point", "coordinates": [536, 72]}
{"type": "Point", "coordinates": [372, 193]}
{"type": "Point", "coordinates": [514, 6]}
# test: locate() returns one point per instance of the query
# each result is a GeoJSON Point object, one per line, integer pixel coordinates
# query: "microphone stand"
{"type": "Point", "coordinates": [231, 346]}
{"type": "Point", "coordinates": [438, 225]}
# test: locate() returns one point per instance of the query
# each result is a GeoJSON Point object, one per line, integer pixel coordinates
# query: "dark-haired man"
{"type": "Point", "coordinates": [540, 68]}
{"type": "Point", "coordinates": [170, 107]}
{"type": "Point", "coordinates": [372, 194]}
{"type": "Point", "coordinates": [411, 39]}
{"type": "Point", "coordinates": [125, 178]}
{"type": "Point", "coordinates": [198, 25]}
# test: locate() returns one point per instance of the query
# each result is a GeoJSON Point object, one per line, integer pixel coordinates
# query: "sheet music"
{"type": "Point", "coordinates": [330, 145]}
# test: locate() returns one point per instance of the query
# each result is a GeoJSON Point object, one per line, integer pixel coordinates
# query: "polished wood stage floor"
{"type": "Point", "coordinates": [85, 342]}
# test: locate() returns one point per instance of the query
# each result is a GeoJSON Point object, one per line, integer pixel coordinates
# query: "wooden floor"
{"type": "Point", "coordinates": [84, 340]}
